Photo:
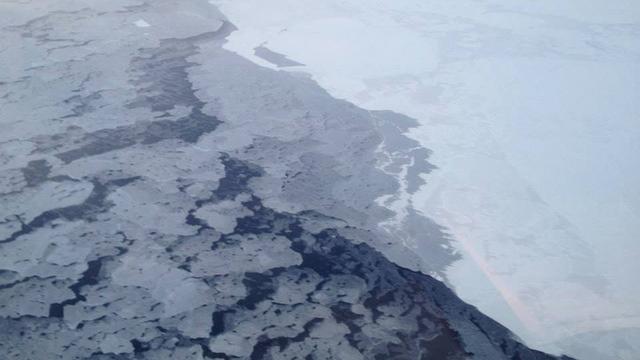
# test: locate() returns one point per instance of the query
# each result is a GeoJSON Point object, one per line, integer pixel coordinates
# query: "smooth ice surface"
{"type": "Point", "coordinates": [532, 110]}
{"type": "Point", "coordinates": [141, 23]}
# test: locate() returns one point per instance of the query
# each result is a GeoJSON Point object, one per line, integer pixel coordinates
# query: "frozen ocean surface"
{"type": "Point", "coordinates": [162, 197]}
{"type": "Point", "coordinates": [532, 110]}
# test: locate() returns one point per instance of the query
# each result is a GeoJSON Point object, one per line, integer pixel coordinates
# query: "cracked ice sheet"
{"type": "Point", "coordinates": [33, 202]}
{"type": "Point", "coordinates": [532, 113]}
{"type": "Point", "coordinates": [177, 289]}
{"type": "Point", "coordinates": [222, 216]}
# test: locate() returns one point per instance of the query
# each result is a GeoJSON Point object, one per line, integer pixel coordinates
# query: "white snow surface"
{"type": "Point", "coordinates": [141, 23]}
{"type": "Point", "coordinates": [532, 110]}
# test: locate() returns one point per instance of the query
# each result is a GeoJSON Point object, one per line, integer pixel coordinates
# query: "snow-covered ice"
{"type": "Point", "coordinates": [141, 23]}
